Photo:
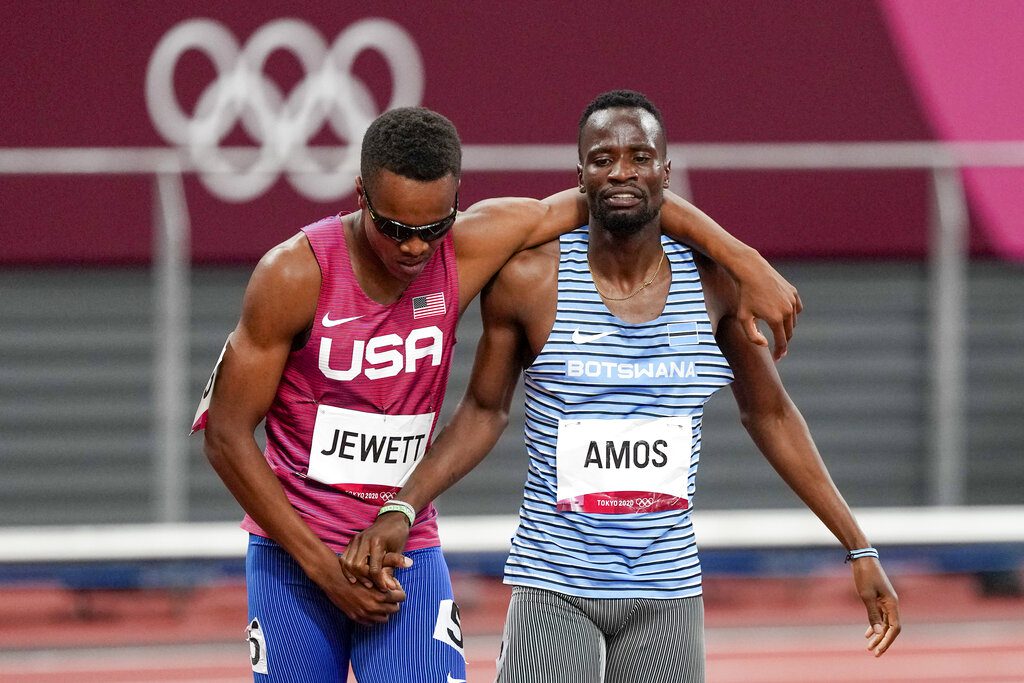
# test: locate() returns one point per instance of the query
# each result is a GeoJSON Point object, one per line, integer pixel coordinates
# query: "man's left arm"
{"type": "Point", "coordinates": [780, 433]}
{"type": "Point", "coordinates": [478, 422]}
{"type": "Point", "coordinates": [490, 232]}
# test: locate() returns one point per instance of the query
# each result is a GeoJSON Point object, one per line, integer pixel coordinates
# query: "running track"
{"type": "Point", "coordinates": [758, 632]}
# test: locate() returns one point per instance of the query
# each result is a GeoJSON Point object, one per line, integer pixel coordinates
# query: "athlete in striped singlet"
{"type": "Point", "coordinates": [344, 345]}
{"type": "Point", "coordinates": [623, 336]}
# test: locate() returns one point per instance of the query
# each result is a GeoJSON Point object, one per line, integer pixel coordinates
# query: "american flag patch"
{"type": "Point", "coordinates": [428, 305]}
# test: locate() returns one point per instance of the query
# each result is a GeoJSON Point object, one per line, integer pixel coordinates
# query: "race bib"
{"type": "Point", "coordinates": [448, 627]}
{"type": "Point", "coordinates": [368, 454]}
{"type": "Point", "coordinates": [624, 466]}
{"type": "Point", "coordinates": [199, 421]}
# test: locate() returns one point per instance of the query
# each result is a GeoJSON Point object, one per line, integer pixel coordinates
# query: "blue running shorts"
{"type": "Point", "coordinates": [296, 633]}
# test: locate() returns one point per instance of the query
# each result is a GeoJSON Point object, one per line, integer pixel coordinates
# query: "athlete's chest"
{"type": "Point", "coordinates": [593, 352]}
{"type": "Point", "coordinates": [351, 347]}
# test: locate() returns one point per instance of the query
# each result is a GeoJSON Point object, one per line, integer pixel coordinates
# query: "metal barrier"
{"type": "Point", "coordinates": [947, 261]}
{"type": "Point", "coordinates": [912, 540]}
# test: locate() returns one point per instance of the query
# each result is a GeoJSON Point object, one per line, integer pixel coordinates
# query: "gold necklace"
{"type": "Point", "coordinates": [642, 287]}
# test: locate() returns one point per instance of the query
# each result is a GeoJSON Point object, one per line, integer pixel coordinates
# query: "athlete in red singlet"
{"type": "Point", "coordinates": [357, 403]}
{"type": "Point", "coordinates": [344, 345]}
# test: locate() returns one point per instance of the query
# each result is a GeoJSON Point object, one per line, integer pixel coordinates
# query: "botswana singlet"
{"type": "Point", "coordinates": [613, 433]}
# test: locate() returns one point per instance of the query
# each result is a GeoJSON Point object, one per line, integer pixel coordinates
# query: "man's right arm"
{"type": "Point", "coordinates": [478, 422]}
{"type": "Point", "coordinates": [482, 414]}
{"type": "Point", "coordinates": [280, 301]}
{"type": "Point", "coordinates": [763, 293]}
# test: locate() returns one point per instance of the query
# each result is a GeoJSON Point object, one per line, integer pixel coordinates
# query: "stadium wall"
{"type": "Point", "coordinates": [77, 423]}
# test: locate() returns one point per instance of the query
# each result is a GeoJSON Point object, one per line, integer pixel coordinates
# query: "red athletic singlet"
{"type": "Point", "coordinates": [357, 405]}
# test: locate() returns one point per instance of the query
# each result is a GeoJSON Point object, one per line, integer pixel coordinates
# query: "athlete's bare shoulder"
{"type": "Point", "coordinates": [284, 287]}
{"type": "Point", "coordinates": [531, 267]}
{"type": "Point", "coordinates": [489, 232]}
{"type": "Point", "coordinates": [292, 261]}
{"type": "Point", "coordinates": [525, 293]}
{"type": "Point", "coordinates": [720, 292]}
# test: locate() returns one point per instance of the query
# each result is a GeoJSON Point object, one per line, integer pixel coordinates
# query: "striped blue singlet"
{"type": "Point", "coordinates": [622, 404]}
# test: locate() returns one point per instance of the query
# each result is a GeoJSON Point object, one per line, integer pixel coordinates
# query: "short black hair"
{"type": "Point", "coordinates": [413, 142]}
{"type": "Point", "coordinates": [619, 98]}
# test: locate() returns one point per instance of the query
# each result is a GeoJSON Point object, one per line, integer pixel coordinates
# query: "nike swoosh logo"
{"type": "Point", "coordinates": [455, 680]}
{"type": "Point", "coordinates": [327, 322]}
{"type": "Point", "coordinates": [578, 338]}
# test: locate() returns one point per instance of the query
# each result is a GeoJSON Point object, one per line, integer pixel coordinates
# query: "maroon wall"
{"type": "Point", "coordinates": [74, 76]}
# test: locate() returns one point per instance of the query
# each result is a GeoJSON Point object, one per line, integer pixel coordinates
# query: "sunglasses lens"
{"type": "Point", "coordinates": [395, 231]}
{"type": "Point", "coordinates": [427, 233]}
{"type": "Point", "coordinates": [435, 231]}
{"type": "Point", "coordinates": [400, 232]}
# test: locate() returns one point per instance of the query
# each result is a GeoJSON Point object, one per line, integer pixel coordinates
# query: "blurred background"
{"type": "Point", "coordinates": [871, 149]}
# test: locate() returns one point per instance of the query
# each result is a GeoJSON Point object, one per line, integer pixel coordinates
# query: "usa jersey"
{"type": "Point", "coordinates": [357, 404]}
{"type": "Point", "coordinates": [613, 433]}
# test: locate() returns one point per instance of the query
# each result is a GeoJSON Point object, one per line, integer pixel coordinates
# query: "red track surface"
{"type": "Point", "coordinates": [758, 631]}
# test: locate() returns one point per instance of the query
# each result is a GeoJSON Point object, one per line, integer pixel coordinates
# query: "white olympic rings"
{"type": "Point", "coordinates": [283, 124]}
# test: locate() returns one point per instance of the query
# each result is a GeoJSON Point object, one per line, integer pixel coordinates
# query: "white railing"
{"type": "Point", "coordinates": [715, 529]}
{"type": "Point", "coordinates": [947, 260]}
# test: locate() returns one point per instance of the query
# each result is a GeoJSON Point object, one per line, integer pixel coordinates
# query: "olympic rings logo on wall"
{"type": "Point", "coordinates": [282, 123]}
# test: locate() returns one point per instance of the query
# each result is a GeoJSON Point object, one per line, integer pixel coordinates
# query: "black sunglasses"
{"type": "Point", "coordinates": [400, 232]}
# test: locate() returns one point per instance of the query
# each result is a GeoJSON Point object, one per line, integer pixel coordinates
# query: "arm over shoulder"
{"type": "Point", "coordinates": [492, 231]}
